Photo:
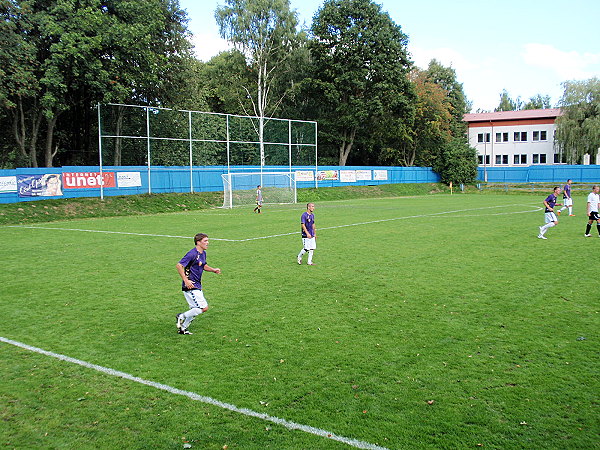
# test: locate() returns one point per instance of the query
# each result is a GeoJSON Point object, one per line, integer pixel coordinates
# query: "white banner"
{"type": "Point", "coordinates": [8, 184]}
{"type": "Point", "coordinates": [305, 175]}
{"type": "Point", "coordinates": [348, 176]}
{"type": "Point", "coordinates": [380, 174]}
{"type": "Point", "coordinates": [129, 179]}
{"type": "Point", "coordinates": [363, 175]}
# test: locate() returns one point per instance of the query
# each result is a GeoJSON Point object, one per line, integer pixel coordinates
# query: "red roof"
{"type": "Point", "coordinates": [513, 115]}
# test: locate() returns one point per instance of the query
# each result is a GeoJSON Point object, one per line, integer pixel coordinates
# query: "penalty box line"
{"type": "Point", "coordinates": [536, 209]}
{"type": "Point", "coordinates": [201, 398]}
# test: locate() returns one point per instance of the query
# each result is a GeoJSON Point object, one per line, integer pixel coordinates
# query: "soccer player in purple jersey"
{"type": "Point", "coordinates": [549, 214]}
{"type": "Point", "coordinates": [309, 234]}
{"type": "Point", "coordinates": [190, 269]}
{"type": "Point", "coordinates": [259, 199]}
{"type": "Point", "coordinates": [593, 202]}
{"type": "Point", "coordinates": [567, 199]}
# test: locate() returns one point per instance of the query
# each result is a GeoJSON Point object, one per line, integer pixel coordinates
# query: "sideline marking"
{"type": "Point", "coordinates": [247, 412]}
{"type": "Point", "coordinates": [535, 209]}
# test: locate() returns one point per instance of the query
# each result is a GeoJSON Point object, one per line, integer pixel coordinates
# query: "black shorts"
{"type": "Point", "coordinates": [594, 215]}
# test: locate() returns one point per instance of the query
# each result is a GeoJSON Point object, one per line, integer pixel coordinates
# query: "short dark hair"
{"type": "Point", "coordinates": [199, 237]}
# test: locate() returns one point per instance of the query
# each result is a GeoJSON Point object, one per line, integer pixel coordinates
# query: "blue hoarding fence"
{"type": "Point", "coordinates": [538, 174]}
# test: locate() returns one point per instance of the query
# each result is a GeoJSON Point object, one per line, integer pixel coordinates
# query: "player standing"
{"type": "Point", "coordinates": [309, 234]}
{"type": "Point", "coordinates": [190, 268]}
{"type": "Point", "coordinates": [259, 199]}
{"type": "Point", "coordinates": [567, 199]}
{"type": "Point", "coordinates": [592, 210]}
{"type": "Point", "coordinates": [549, 215]}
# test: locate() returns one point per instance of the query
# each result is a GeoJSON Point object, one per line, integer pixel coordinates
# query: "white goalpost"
{"type": "Point", "coordinates": [239, 188]}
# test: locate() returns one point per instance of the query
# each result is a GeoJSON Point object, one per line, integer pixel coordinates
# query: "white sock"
{"type": "Point", "coordinates": [302, 252]}
{"type": "Point", "coordinates": [190, 316]}
{"type": "Point", "coordinates": [310, 255]}
{"type": "Point", "coordinates": [570, 210]}
{"type": "Point", "coordinates": [545, 227]}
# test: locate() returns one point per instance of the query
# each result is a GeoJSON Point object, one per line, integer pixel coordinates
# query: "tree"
{"type": "Point", "coordinates": [445, 77]}
{"type": "Point", "coordinates": [360, 67]}
{"type": "Point", "coordinates": [507, 103]}
{"type": "Point", "coordinates": [264, 31]}
{"type": "Point", "coordinates": [538, 102]}
{"type": "Point", "coordinates": [457, 162]}
{"type": "Point", "coordinates": [578, 128]}
{"type": "Point", "coordinates": [67, 56]}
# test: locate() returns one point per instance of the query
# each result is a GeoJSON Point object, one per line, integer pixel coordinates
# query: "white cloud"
{"type": "Point", "coordinates": [566, 65]}
{"type": "Point", "coordinates": [207, 45]}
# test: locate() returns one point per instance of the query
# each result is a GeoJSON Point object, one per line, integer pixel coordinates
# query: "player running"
{"type": "Point", "coordinates": [567, 199]}
{"type": "Point", "coordinates": [190, 269]}
{"type": "Point", "coordinates": [592, 210]}
{"type": "Point", "coordinates": [549, 214]}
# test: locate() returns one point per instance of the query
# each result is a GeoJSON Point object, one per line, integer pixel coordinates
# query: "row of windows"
{"type": "Point", "coordinates": [518, 136]}
{"type": "Point", "coordinates": [519, 159]}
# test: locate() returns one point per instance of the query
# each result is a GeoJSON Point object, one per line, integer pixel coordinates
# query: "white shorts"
{"type": "Point", "coordinates": [195, 299]}
{"type": "Point", "coordinates": [309, 243]}
{"type": "Point", "coordinates": [550, 217]}
{"type": "Point", "coordinates": [568, 202]}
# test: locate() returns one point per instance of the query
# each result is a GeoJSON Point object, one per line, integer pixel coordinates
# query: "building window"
{"type": "Point", "coordinates": [504, 159]}
{"type": "Point", "coordinates": [487, 160]}
{"type": "Point", "coordinates": [523, 159]}
{"type": "Point", "coordinates": [557, 158]}
{"type": "Point", "coordinates": [480, 158]}
{"type": "Point", "coordinates": [539, 136]}
{"type": "Point", "coordinates": [516, 159]}
{"type": "Point", "coordinates": [543, 158]}
{"type": "Point", "coordinates": [536, 159]}
{"type": "Point", "coordinates": [520, 136]}
{"type": "Point", "coordinates": [543, 136]}
{"type": "Point", "coordinates": [501, 137]}
{"type": "Point", "coordinates": [498, 160]}
{"type": "Point", "coordinates": [481, 136]}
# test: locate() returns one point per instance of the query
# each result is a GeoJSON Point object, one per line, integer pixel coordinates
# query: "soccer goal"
{"type": "Point", "coordinates": [239, 188]}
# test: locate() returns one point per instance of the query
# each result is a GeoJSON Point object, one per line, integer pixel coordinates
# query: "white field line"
{"type": "Point", "coordinates": [208, 400]}
{"type": "Point", "coordinates": [535, 209]}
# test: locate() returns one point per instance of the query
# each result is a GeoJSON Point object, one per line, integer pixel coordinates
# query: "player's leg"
{"type": "Point", "coordinates": [551, 221]}
{"type": "Point", "coordinates": [312, 245]}
{"type": "Point", "coordinates": [303, 251]}
{"type": "Point", "coordinates": [570, 205]}
{"type": "Point", "coordinates": [198, 305]}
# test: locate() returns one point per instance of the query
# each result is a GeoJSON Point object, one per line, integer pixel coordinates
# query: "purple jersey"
{"type": "Point", "coordinates": [551, 200]}
{"type": "Point", "coordinates": [308, 220]}
{"type": "Point", "coordinates": [567, 191]}
{"type": "Point", "coordinates": [193, 263]}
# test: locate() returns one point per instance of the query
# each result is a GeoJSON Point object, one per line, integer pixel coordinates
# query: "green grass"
{"type": "Point", "coordinates": [440, 322]}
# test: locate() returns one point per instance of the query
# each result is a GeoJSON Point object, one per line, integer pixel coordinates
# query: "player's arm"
{"type": "Point", "coordinates": [207, 268]}
{"type": "Point", "coordinates": [548, 206]}
{"type": "Point", "coordinates": [188, 283]}
{"type": "Point", "coordinates": [308, 235]}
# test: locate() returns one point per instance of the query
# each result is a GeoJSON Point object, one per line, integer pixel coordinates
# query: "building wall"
{"type": "Point", "coordinates": [500, 147]}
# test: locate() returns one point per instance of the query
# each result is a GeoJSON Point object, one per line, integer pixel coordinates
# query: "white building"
{"type": "Point", "coordinates": [514, 138]}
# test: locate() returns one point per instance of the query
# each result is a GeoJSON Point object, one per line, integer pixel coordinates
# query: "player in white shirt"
{"type": "Point", "coordinates": [592, 210]}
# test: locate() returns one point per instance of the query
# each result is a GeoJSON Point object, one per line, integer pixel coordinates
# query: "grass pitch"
{"type": "Point", "coordinates": [428, 322]}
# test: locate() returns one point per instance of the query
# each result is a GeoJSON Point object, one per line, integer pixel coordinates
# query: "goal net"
{"type": "Point", "coordinates": [240, 188]}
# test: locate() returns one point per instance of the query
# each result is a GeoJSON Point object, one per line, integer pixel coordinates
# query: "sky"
{"type": "Point", "coordinates": [527, 47]}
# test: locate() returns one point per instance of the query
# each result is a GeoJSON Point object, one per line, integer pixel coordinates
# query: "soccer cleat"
{"type": "Point", "coordinates": [299, 260]}
{"type": "Point", "coordinates": [558, 212]}
{"type": "Point", "coordinates": [184, 331]}
{"type": "Point", "coordinates": [311, 264]}
{"type": "Point", "coordinates": [180, 320]}
{"type": "Point", "coordinates": [571, 215]}
{"type": "Point", "coordinates": [541, 236]}
{"type": "Point", "coordinates": [587, 235]}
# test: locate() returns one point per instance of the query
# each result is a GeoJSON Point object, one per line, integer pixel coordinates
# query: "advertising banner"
{"type": "Point", "coordinates": [46, 185]}
{"type": "Point", "coordinates": [323, 175]}
{"type": "Point", "coordinates": [88, 180]}
{"type": "Point", "coordinates": [380, 174]}
{"type": "Point", "coordinates": [363, 175]}
{"type": "Point", "coordinates": [305, 175]}
{"type": "Point", "coordinates": [348, 176]}
{"type": "Point", "coordinates": [8, 184]}
{"type": "Point", "coordinates": [129, 179]}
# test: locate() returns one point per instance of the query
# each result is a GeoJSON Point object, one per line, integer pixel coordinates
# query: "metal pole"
{"type": "Point", "coordinates": [316, 153]}
{"type": "Point", "coordinates": [100, 153]}
{"type": "Point", "coordinates": [191, 157]}
{"type": "Point", "coordinates": [148, 148]}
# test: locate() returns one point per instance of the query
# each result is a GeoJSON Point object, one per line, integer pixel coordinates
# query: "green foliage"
{"type": "Point", "coordinates": [538, 102]}
{"type": "Point", "coordinates": [359, 75]}
{"type": "Point", "coordinates": [507, 103]}
{"type": "Point", "coordinates": [457, 162]}
{"type": "Point", "coordinates": [578, 128]}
